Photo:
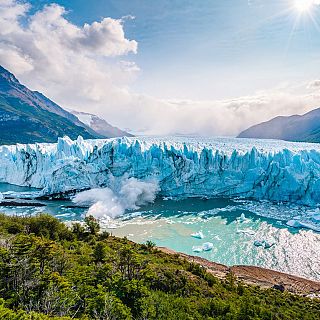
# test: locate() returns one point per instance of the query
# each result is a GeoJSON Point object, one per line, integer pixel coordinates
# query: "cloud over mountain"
{"type": "Point", "coordinates": [54, 56]}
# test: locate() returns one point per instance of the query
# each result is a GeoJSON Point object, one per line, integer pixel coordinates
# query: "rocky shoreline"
{"type": "Point", "coordinates": [258, 276]}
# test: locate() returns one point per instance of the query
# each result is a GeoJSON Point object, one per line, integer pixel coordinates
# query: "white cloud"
{"type": "Point", "coordinates": [105, 38]}
{"type": "Point", "coordinates": [73, 65]}
{"type": "Point", "coordinates": [314, 84]}
{"type": "Point", "coordinates": [94, 35]}
{"type": "Point", "coordinates": [10, 11]}
{"type": "Point", "coordinates": [224, 118]}
{"type": "Point", "coordinates": [12, 57]}
{"type": "Point", "coordinates": [86, 68]}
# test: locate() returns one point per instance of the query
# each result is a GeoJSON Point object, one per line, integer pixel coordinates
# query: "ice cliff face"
{"type": "Point", "coordinates": [272, 170]}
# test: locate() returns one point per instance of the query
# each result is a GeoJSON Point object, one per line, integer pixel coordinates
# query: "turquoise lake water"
{"type": "Point", "coordinates": [170, 223]}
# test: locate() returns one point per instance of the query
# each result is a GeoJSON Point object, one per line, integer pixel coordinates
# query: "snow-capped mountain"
{"type": "Point", "coordinates": [100, 125]}
{"type": "Point", "coordinates": [180, 166]}
{"type": "Point", "coordinates": [293, 128]}
{"type": "Point", "coordinates": [28, 116]}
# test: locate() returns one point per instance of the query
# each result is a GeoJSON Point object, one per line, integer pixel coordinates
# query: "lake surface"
{"type": "Point", "coordinates": [233, 226]}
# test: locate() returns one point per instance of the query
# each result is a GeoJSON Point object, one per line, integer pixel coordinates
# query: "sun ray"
{"type": "Point", "coordinates": [314, 21]}
{"type": "Point", "coordinates": [293, 29]}
{"type": "Point", "coordinates": [303, 6]}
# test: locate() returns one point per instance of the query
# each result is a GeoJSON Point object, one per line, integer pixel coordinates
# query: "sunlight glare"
{"type": "Point", "coordinates": [303, 5]}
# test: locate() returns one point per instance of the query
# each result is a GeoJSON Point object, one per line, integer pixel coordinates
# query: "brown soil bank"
{"type": "Point", "coordinates": [264, 278]}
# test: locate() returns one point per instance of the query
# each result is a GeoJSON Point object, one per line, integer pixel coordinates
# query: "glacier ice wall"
{"type": "Point", "coordinates": [272, 170]}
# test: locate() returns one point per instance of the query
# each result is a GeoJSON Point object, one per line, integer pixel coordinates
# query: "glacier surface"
{"type": "Point", "coordinates": [181, 166]}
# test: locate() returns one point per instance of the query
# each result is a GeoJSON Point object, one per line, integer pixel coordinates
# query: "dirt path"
{"type": "Point", "coordinates": [264, 278]}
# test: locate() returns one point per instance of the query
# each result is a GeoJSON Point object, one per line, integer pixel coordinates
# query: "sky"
{"type": "Point", "coordinates": [208, 67]}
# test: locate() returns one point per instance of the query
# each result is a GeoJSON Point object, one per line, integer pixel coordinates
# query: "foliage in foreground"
{"type": "Point", "coordinates": [48, 271]}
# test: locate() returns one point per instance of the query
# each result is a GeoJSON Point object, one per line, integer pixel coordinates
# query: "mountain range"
{"type": "Point", "coordinates": [304, 128]}
{"type": "Point", "coordinates": [99, 125]}
{"type": "Point", "coordinates": [28, 116]}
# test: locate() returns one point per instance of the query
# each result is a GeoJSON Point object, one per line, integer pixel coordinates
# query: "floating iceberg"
{"type": "Point", "coordinates": [268, 245]}
{"type": "Point", "coordinates": [303, 224]}
{"type": "Point", "coordinates": [207, 246]}
{"type": "Point", "coordinates": [258, 243]}
{"type": "Point", "coordinates": [316, 215]}
{"type": "Point", "coordinates": [197, 249]}
{"type": "Point", "coordinates": [264, 244]}
{"type": "Point", "coordinates": [248, 231]}
{"type": "Point", "coordinates": [294, 223]}
{"type": "Point", "coordinates": [316, 218]}
{"type": "Point", "coordinates": [188, 167]}
{"type": "Point", "coordinates": [198, 235]}
{"type": "Point", "coordinates": [243, 219]}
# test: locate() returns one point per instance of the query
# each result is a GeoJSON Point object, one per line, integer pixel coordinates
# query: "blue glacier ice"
{"type": "Point", "coordinates": [182, 166]}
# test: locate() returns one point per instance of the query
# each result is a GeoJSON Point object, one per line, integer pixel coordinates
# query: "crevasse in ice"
{"type": "Point", "coordinates": [272, 170]}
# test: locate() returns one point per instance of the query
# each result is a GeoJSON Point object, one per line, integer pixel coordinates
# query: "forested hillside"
{"type": "Point", "coordinates": [48, 270]}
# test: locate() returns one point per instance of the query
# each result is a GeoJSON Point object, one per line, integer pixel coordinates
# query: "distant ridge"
{"type": "Point", "coordinates": [100, 125]}
{"type": "Point", "coordinates": [304, 128]}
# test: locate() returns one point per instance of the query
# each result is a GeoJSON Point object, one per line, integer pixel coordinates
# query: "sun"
{"type": "Point", "coordinates": [303, 5]}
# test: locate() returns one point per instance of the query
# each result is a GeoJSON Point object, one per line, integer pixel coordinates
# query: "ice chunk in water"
{"type": "Point", "coordinates": [207, 246]}
{"type": "Point", "coordinates": [198, 235]}
{"type": "Point", "coordinates": [310, 226]}
{"type": "Point", "coordinates": [316, 215]}
{"type": "Point", "coordinates": [268, 245]}
{"type": "Point", "coordinates": [258, 243]}
{"type": "Point", "coordinates": [243, 219]}
{"type": "Point", "coordinates": [197, 249]}
{"type": "Point", "coordinates": [303, 224]}
{"type": "Point", "coordinates": [265, 244]}
{"type": "Point", "coordinates": [248, 231]}
{"type": "Point", "coordinates": [294, 223]}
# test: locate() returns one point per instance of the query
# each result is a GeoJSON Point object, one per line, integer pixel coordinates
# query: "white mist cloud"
{"type": "Point", "coordinates": [222, 118]}
{"type": "Point", "coordinates": [86, 68]}
{"type": "Point", "coordinates": [123, 194]}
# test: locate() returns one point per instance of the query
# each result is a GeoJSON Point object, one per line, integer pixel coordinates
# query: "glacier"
{"type": "Point", "coordinates": [182, 166]}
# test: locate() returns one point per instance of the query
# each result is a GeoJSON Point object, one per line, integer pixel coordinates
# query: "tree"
{"type": "Point", "coordinates": [78, 230]}
{"type": "Point", "coordinates": [99, 252]}
{"type": "Point", "coordinates": [92, 225]}
{"type": "Point", "coordinates": [150, 245]}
